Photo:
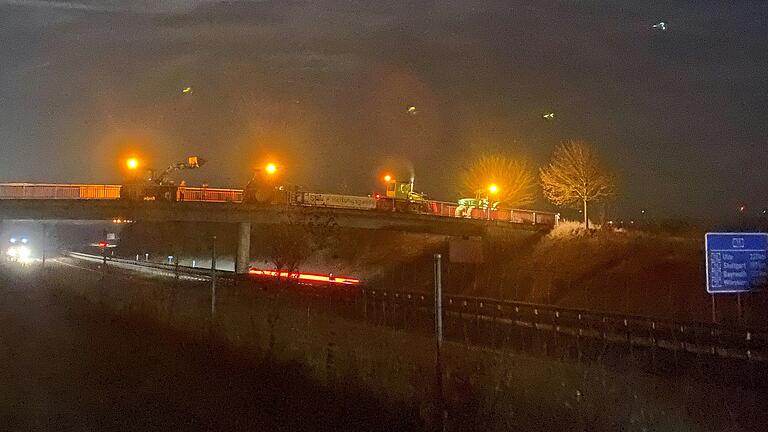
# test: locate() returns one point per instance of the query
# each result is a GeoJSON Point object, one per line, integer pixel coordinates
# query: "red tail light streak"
{"type": "Point", "coordinates": [305, 277]}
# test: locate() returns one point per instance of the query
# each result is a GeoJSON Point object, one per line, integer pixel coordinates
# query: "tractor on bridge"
{"type": "Point", "coordinates": [401, 197]}
{"type": "Point", "coordinates": [161, 186]}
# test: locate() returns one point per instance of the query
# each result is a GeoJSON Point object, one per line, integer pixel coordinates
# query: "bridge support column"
{"type": "Point", "coordinates": [243, 258]}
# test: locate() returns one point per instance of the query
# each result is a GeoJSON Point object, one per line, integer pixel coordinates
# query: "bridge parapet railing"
{"type": "Point", "coordinates": [204, 194]}
{"type": "Point", "coordinates": [440, 208]}
{"type": "Point", "coordinates": [58, 191]}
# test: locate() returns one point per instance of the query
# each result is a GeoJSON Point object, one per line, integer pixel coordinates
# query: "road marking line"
{"type": "Point", "coordinates": [75, 266]}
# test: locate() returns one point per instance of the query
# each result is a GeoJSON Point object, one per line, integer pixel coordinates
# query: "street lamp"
{"type": "Point", "coordinates": [270, 168]}
{"type": "Point", "coordinates": [132, 164]}
{"type": "Point", "coordinates": [387, 178]}
{"type": "Point", "coordinates": [493, 189]}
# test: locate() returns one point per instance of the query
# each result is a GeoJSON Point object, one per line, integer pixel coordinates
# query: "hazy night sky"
{"type": "Point", "coordinates": [324, 86]}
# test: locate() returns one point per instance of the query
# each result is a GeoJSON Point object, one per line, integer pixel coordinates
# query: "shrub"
{"type": "Point", "coordinates": [567, 229]}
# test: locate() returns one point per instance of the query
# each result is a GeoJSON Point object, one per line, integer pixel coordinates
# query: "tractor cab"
{"type": "Point", "coordinates": [402, 190]}
{"type": "Point", "coordinates": [401, 197]}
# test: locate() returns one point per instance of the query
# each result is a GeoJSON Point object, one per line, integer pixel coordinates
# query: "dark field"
{"type": "Point", "coordinates": [69, 365]}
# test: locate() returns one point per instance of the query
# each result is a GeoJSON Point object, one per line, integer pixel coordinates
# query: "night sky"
{"type": "Point", "coordinates": [324, 87]}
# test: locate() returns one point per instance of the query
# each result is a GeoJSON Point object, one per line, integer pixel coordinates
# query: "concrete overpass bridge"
{"type": "Point", "coordinates": [244, 215]}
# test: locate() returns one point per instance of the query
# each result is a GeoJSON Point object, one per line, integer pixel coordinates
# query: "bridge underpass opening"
{"type": "Point", "coordinates": [47, 238]}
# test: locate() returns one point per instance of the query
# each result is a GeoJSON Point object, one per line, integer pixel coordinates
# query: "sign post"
{"type": "Point", "coordinates": [45, 241]}
{"type": "Point", "coordinates": [438, 272]}
{"type": "Point", "coordinates": [737, 263]}
{"type": "Point", "coordinates": [213, 277]}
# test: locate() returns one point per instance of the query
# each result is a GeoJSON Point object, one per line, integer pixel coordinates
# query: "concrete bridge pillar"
{"type": "Point", "coordinates": [243, 258]}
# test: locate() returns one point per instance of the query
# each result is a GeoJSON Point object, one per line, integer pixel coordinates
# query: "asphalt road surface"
{"type": "Point", "coordinates": [66, 364]}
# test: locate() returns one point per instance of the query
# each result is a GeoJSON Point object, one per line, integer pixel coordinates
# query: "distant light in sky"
{"type": "Point", "coordinates": [549, 116]}
{"type": "Point", "coordinates": [661, 25]}
{"type": "Point", "coordinates": [412, 110]}
{"type": "Point", "coordinates": [187, 90]}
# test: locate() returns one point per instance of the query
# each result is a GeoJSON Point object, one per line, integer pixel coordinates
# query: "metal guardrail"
{"type": "Point", "coordinates": [171, 268]}
{"type": "Point", "coordinates": [689, 336]}
{"type": "Point", "coordinates": [680, 336]}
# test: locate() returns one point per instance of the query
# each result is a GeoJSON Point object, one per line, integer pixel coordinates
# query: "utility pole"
{"type": "Point", "coordinates": [213, 278]}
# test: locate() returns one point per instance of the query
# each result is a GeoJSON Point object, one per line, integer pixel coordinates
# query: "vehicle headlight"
{"type": "Point", "coordinates": [23, 252]}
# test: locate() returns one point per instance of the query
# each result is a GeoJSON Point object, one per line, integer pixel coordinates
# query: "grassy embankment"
{"type": "Point", "coordinates": [486, 390]}
{"type": "Point", "coordinates": [635, 272]}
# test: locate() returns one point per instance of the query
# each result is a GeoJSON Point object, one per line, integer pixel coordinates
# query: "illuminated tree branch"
{"type": "Point", "coordinates": [514, 180]}
{"type": "Point", "coordinates": [576, 177]}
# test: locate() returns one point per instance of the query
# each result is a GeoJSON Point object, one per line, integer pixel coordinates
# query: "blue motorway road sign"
{"type": "Point", "coordinates": [736, 262]}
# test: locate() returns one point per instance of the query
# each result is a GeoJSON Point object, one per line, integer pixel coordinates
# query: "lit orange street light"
{"type": "Point", "coordinates": [493, 189]}
{"type": "Point", "coordinates": [132, 164]}
{"type": "Point", "coordinates": [270, 168]}
{"type": "Point", "coordinates": [387, 178]}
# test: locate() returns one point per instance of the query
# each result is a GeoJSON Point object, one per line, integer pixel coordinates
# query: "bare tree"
{"type": "Point", "coordinates": [576, 177]}
{"type": "Point", "coordinates": [299, 236]}
{"type": "Point", "coordinates": [290, 246]}
{"type": "Point", "coordinates": [514, 180]}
